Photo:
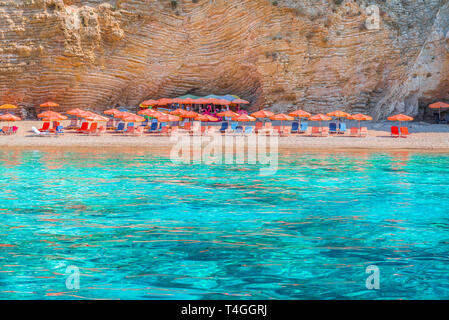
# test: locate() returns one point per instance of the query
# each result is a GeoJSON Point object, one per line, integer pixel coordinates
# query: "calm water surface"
{"type": "Point", "coordinates": [140, 227]}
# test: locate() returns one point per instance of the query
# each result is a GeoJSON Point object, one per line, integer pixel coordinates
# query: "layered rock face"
{"type": "Point", "coordinates": [319, 55]}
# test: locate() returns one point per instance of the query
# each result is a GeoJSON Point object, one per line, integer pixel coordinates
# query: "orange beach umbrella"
{"type": "Point", "coordinates": [112, 112]}
{"type": "Point", "coordinates": [178, 112]}
{"type": "Point", "coordinates": [9, 117]}
{"type": "Point", "coordinates": [133, 118]}
{"type": "Point", "coordinates": [148, 103]}
{"type": "Point", "coordinates": [75, 112]}
{"type": "Point", "coordinates": [49, 104]}
{"type": "Point", "coordinates": [164, 101]}
{"type": "Point", "coordinates": [228, 113]}
{"type": "Point", "coordinates": [338, 114]}
{"type": "Point", "coordinates": [437, 105]}
{"type": "Point", "coordinates": [282, 117]}
{"type": "Point", "coordinates": [244, 118]}
{"type": "Point", "coordinates": [360, 117]}
{"type": "Point", "coordinates": [299, 113]}
{"type": "Point", "coordinates": [400, 118]}
{"type": "Point", "coordinates": [206, 118]}
{"type": "Point", "coordinates": [320, 117]}
{"type": "Point", "coordinates": [262, 114]}
{"type": "Point", "coordinates": [51, 114]}
{"type": "Point", "coordinates": [168, 118]}
{"type": "Point", "coordinates": [8, 106]}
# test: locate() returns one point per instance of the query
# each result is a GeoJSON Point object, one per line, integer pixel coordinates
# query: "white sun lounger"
{"type": "Point", "coordinates": [38, 133]}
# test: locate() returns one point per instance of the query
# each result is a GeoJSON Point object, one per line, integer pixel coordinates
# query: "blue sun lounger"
{"type": "Point", "coordinates": [332, 127]}
{"type": "Point", "coordinates": [224, 126]}
{"type": "Point", "coordinates": [295, 127]}
{"type": "Point", "coordinates": [120, 127]}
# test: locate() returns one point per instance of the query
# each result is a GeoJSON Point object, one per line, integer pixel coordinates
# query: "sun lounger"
{"type": "Point", "coordinates": [248, 130]}
{"type": "Point", "coordinates": [404, 132]}
{"type": "Point", "coordinates": [303, 127]}
{"type": "Point", "coordinates": [187, 126]}
{"type": "Point", "coordinates": [14, 129]}
{"type": "Point", "coordinates": [39, 133]}
{"type": "Point", "coordinates": [238, 130]}
{"type": "Point", "coordinates": [363, 131]}
{"type": "Point", "coordinates": [342, 128]}
{"type": "Point", "coordinates": [153, 127]}
{"type": "Point", "coordinates": [295, 127]}
{"type": "Point", "coordinates": [316, 131]}
{"type": "Point", "coordinates": [354, 132]}
{"type": "Point", "coordinates": [259, 126]}
{"type": "Point", "coordinates": [45, 127]}
{"type": "Point", "coordinates": [332, 127]}
{"type": "Point", "coordinates": [120, 127]}
{"type": "Point", "coordinates": [93, 129]}
{"type": "Point", "coordinates": [59, 130]}
{"type": "Point", "coordinates": [224, 127]}
{"type": "Point", "coordinates": [129, 131]}
{"type": "Point", "coordinates": [83, 128]}
{"type": "Point", "coordinates": [5, 130]}
{"type": "Point", "coordinates": [324, 131]}
{"type": "Point", "coordinates": [394, 131]}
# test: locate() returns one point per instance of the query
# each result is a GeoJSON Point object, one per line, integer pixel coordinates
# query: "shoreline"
{"type": "Point", "coordinates": [428, 138]}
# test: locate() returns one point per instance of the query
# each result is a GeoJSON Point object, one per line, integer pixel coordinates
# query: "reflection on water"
{"type": "Point", "coordinates": [140, 227]}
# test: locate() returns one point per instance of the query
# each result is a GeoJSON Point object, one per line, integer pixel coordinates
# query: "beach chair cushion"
{"type": "Point", "coordinates": [304, 126]}
{"type": "Point", "coordinates": [342, 127]}
{"type": "Point", "coordinates": [332, 127]}
{"type": "Point", "coordinates": [259, 126]}
{"type": "Point", "coordinates": [248, 130]}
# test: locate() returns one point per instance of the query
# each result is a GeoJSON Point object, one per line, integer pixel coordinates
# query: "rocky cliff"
{"type": "Point", "coordinates": [372, 56]}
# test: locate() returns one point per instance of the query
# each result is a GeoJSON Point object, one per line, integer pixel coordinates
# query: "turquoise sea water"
{"type": "Point", "coordinates": [140, 227]}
